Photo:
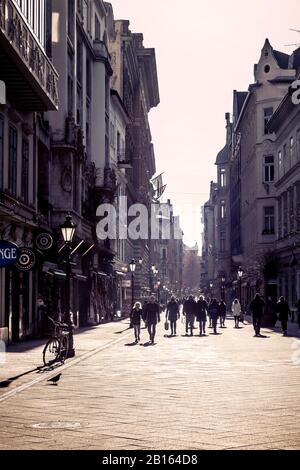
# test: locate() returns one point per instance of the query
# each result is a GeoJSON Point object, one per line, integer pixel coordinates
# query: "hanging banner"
{"type": "Point", "coordinates": [26, 260]}
{"type": "Point", "coordinates": [9, 254]}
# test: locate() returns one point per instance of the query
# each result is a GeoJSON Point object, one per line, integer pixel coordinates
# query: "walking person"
{"type": "Point", "coordinates": [222, 313]}
{"type": "Point", "coordinates": [208, 300]}
{"type": "Point", "coordinates": [201, 312]}
{"type": "Point", "coordinates": [257, 308]}
{"type": "Point", "coordinates": [152, 317]}
{"type": "Point", "coordinates": [283, 310]}
{"type": "Point", "coordinates": [136, 316]}
{"type": "Point", "coordinates": [236, 311]}
{"type": "Point", "coordinates": [298, 311]}
{"type": "Point", "coordinates": [189, 312]}
{"type": "Point", "coordinates": [214, 314]}
{"type": "Point", "coordinates": [144, 312]}
{"type": "Point", "coordinates": [172, 314]}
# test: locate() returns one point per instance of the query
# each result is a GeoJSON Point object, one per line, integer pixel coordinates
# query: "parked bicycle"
{"type": "Point", "coordinates": [56, 349]}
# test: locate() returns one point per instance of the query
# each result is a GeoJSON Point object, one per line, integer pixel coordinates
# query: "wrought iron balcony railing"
{"type": "Point", "coordinates": [42, 79]}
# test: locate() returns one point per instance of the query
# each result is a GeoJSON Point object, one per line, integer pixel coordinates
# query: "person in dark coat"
{"type": "Point", "coordinates": [222, 313]}
{"type": "Point", "coordinates": [172, 314]}
{"type": "Point", "coordinates": [298, 311]}
{"type": "Point", "coordinates": [257, 308]}
{"type": "Point", "coordinates": [152, 317]}
{"type": "Point", "coordinates": [201, 314]}
{"type": "Point", "coordinates": [283, 310]}
{"type": "Point", "coordinates": [189, 312]}
{"type": "Point", "coordinates": [136, 316]}
{"type": "Point", "coordinates": [208, 301]}
{"type": "Point", "coordinates": [214, 314]}
{"type": "Point", "coordinates": [144, 310]}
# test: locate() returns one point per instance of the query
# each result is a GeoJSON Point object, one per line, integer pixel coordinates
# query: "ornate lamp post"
{"type": "Point", "coordinates": [211, 285]}
{"type": "Point", "coordinates": [158, 291]}
{"type": "Point", "coordinates": [240, 276]}
{"type": "Point", "coordinates": [68, 230]}
{"type": "Point", "coordinates": [132, 267]}
{"type": "Point", "coordinates": [223, 280]}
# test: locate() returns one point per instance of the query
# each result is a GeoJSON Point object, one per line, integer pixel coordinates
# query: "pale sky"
{"type": "Point", "coordinates": [204, 50]}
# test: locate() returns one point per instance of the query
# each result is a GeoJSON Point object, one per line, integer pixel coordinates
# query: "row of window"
{"type": "Point", "coordinates": [13, 149]}
{"type": "Point", "coordinates": [84, 8]}
{"type": "Point", "coordinates": [289, 155]}
{"type": "Point", "coordinates": [289, 211]}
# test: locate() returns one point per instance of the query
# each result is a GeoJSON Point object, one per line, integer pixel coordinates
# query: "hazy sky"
{"type": "Point", "coordinates": [204, 50]}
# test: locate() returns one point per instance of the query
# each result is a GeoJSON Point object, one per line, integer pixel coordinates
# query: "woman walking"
{"type": "Point", "coordinates": [136, 316]}
{"type": "Point", "coordinates": [172, 314]}
{"type": "Point", "coordinates": [236, 311]}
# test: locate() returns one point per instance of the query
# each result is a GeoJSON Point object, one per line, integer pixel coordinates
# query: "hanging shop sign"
{"type": "Point", "coordinates": [9, 254]}
{"type": "Point", "coordinates": [26, 260]}
{"type": "Point", "coordinates": [44, 241]}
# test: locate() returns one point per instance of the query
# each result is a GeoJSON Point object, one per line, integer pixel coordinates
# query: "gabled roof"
{"type": "Point", "coordinates": [282, 59]}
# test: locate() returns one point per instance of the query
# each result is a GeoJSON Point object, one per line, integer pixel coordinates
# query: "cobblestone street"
{"type": "Point", "coordinates": [230, 391]}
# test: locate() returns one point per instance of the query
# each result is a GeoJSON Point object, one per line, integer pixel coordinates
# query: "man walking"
{"type": "Point", "coordinates": [284, 311]}
{"type": "Point", "coordinates": [189, 312]}
{"type": "Point", "coordinates": [222, 313]}
{"type": "Point", "coordinates": [257, 308]}
{"type": "Point", "coordinates": [201, 311]}
{"type": "Point", "coordinates": [172, 314]}
{"type": "Point", "coordinates": [214, 314]}
{"type": "Point", "coordinates": [152, 317]}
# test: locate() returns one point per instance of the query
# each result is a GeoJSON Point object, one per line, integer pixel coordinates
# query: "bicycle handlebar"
{"type": "Point", "coordinates": [57, 323]}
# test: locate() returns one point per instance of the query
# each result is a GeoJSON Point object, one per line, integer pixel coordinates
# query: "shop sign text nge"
{"type": "Point", "coordinates": [9, 254]}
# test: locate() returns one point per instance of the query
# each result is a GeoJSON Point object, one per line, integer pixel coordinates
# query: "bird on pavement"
{"type": "Point", "coordinates": [55, 379]}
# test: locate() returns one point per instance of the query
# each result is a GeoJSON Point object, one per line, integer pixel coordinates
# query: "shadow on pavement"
{"type": "Point", "coordinates": [38, 370]}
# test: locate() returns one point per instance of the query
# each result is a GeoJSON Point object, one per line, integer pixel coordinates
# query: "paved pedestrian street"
{"type": "Point", "coordinates": [230, 391]}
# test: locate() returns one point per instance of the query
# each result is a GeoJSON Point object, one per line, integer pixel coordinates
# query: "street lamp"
{"type": "Point", "coordinates": [158, 291]}
{"type": "Point", "coordinates": [223, 280]}
{"type": "Point", "coordinates": [68, 230]}
{"type": "Point", "coordinates": [240, 276]}
{"type": "Point", "coordinates": [132, 267]}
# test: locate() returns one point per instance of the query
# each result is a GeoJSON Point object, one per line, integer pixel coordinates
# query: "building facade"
{"type": "Point", "coordinates": [30, 81]}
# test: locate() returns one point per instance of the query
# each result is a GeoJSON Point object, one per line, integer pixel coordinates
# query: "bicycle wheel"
{"type": "Point", "coordinates": [51, 351]}
{"type": "Point", "coordinates": [64, 348]}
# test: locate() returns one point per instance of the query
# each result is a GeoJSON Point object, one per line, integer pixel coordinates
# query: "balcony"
{"type": "Point", "coordinates": [30, 77]}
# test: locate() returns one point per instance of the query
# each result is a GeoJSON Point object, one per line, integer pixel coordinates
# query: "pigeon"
{"type": "Point", "coordinates": [55, 379]}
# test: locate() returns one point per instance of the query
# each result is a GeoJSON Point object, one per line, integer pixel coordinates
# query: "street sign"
{"type": "Point", "coordinates": [9, 254]}
{"type": "Point", "coordinates": [126, 283]}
